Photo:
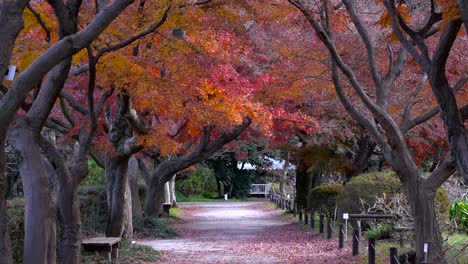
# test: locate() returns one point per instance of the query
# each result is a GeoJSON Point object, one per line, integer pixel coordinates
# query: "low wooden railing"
{"type": "Point", "coordinates": [263, 189]}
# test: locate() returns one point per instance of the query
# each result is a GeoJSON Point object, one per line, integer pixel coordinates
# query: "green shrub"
{"type": "Point", "coordinates": [379, 232]}
{"type": "Point", "coordinates": [15, 223]}
{"type": "Point", "coordinates": [201, 180]}
{"type": "Point", "coordinates": [96, 174]}
{"type": "Point", "coordinates": [459, 213]}
{"type": "Point", "coordinates": [93, 208]}
{"type": "Point", "coordinates": [367, 187]}
{"type": "Point", "coordinates": [180, 197]}
{"type": "Point", "coordinates": [242, 184]}
{"type": "Point", "coordinates": [323, 199]}
{"type": "Point", "coordinates": [152, 227]}
{"type": "Point", "coordinates": [208, 194]}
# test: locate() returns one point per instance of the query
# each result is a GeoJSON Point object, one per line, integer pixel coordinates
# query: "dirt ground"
{"type": "Point", "coordinates": [245, 232]}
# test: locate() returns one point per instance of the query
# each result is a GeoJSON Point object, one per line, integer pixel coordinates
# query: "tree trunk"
{"type": "Point", "coordinates": [463, 7]}
{"type": "Point", "coordinates": [167, 193]}
{"type": "Point", "coordinates": [303, 184]}
{"type": "Point", "coordinates": [154, 198]}
{"type": "Point", "coordinates": [361, 161]}
{"type": "Point", "coordinates": [455, 131]}
{"type": "Point", "coordinates": [119, 221]}
{"type": "Point", "coordinates": [173, 192]}
{"type": "Point", "coordinates": [426, 226]}
{"type": "Point", "coordinates": [5, 244]}
{"type": "Point", "coordinates": [284, 175]}
{"type": "Point", "coordinates": [39, 240]}
{"type": "Point", "coordinates": [137, 211]}
{"type": "Point", "coordinates": [218, 187]}
{"type": "Point", "coordinates": [70, 224]}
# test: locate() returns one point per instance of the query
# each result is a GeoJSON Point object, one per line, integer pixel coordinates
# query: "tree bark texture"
{"type": "Point", "coordinates": [39, 240]}
{"type": "Point", "coordinates": [133, 173]}
{"type": "Point", "coordinates": [361, 161]}
{"type": "Point", "coordinates": [154, 199]}
{"type": "Point", "coordinates": [119, 211]}
{"type": "Point", "coordinates": [172, 191]}
{"type": "Point", "coordinates": [11, 23]}
{"type": "Point", "coordinates": [5, 243]}
{"type": "Point", "coordinates": [455, 131]}
{"type": "Point", "coordinates": [304, 181]}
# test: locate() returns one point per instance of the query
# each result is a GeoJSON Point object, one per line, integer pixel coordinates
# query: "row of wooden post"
{"type": "Point", "coordinates": [286, 204]}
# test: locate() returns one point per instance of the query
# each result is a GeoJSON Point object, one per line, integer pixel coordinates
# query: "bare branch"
{"type": "Point", "coordinates": [441, 174]}
{"type": "Point", "coordinates": [74, 104]}
{"type": "Point", "coordinates": [138, 36]}
{"type": "Point", "coordinates": [40, 21]}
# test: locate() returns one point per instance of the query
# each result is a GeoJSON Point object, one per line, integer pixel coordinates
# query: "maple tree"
{"type": "Point", "coordinates": [381, 126]}
{"type": "Point", "coordinates": [56, 57]}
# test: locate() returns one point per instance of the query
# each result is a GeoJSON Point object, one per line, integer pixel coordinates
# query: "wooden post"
{"type": "Point", "coordinates": [306, 218]}
{"type": "Point", "coordinates": [393, 255]}
{"type": "Point", "coordinates": [371, 250]}
{"type": "Point", "coordinates": [312, 219]}
{"type": "Point", "coordinates": [341, 237]}
{"type": "Point", "coordinates": [300, 214]}
{"type": "Point", "coordinates": [355, 242]}
{"type": "Point", "coordinates": [321, 224]}
{"type": "Point", "coordinates": [329, 228]}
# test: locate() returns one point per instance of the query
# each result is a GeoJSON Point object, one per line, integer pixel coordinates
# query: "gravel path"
{"type": "Point", "coordinates": [244, 232]}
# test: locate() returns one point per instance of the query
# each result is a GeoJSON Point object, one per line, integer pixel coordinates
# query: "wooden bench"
{"type": "Point", "coordinates": [110, 245]}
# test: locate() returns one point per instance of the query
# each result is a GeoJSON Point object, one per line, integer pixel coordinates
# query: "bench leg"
{"type": "Point", "coordinates": [115, 254]}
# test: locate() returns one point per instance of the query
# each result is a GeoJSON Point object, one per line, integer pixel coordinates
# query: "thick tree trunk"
{"type": "Point", "coordinates": [218, 187]}
{"type": "Point", "coordinates": [172, 191]}
{"type": "Point", "coordinates": [304, 181]}
{"type": "Point", "coordinates": [361, 161]}
{"type": "Point", "coordinates": [70, 224]}
{"type": "Point", "coordinates": [426, 226]}
{"type": "Point", "coordinates": [5, 244]}
{"type": "Point", "coordinates": [39, 241]}
{"type": "Point", "coordinates": [154, 198]}
{"type": "Point", "coordinates": [11, 23]}
{"type": "Point", "coordinates": [167, 193]}
{"type": "Point", "coordinates": [284, 175]}
{"type": "Point", "coordinates": [137, 211]}
{"type": "Point", "coordinates": [119, 222]}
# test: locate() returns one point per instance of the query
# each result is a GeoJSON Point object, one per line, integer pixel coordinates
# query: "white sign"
{"type": "Point", "coordinates": [11, 73]}
{"type": "Point", "coordinates": [345, 216]}
{"type": "Point", "coordinates": [225, 197]}
{"type": "Point", "coordinates": [425, 247]}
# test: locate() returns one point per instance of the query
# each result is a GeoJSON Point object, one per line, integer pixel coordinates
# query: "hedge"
{"type": "Point", "coordinates": [323, 199]}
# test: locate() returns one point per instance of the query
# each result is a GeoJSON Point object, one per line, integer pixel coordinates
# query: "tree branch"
{"type": "Point", "coordinates": [440, 174]}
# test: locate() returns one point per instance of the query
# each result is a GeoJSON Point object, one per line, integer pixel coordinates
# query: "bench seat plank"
{"type": "Point", "coordinates": [101, 241]}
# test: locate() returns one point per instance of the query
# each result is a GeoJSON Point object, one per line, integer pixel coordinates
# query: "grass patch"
{"type": "Point", "coordinates": [128, 253]}
{"type": "Point", "coordinates": [175, 213]}
{"type": "Point", "coordinates": [457, 248]}
{"type": "Point", "coordinates": [153, 228]}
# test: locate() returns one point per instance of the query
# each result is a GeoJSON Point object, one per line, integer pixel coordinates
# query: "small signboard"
{"type": "Point", "coordinates": [425, 247]}
{"type": "Point", "coordinates": [345, 216]}
{"type": "Point", "coordinates": [10, 75]}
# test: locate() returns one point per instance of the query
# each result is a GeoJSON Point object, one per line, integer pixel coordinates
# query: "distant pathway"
{"type": "Point", "coordinates": [244, 232]}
